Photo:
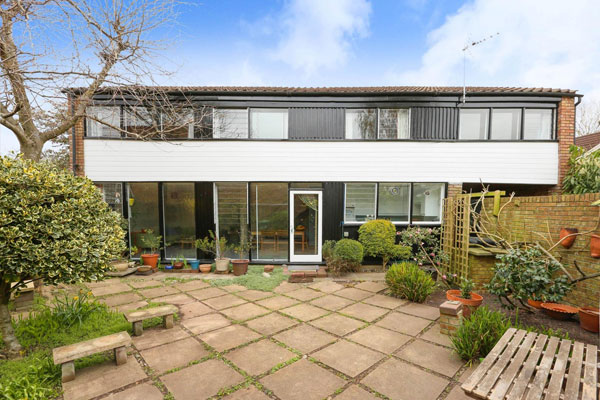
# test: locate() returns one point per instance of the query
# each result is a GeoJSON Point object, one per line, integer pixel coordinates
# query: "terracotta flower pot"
{"type": "Point", "coordinates": [205, 268]}
{"type": "Point", "coordinates": [595, 246]}
{"type": "Point", "coordinates": [469, 305]}
{"type": "Point", "coordinates": [568, 242]}
{"type": "Point", "coordinates": [559, 311]}
{"type": "Point", "coordinates": [222, 265]}
{"type": "Point", "coordinates": [240, 267]}
{"type": "Point", "coordinates": [178, 265]}
{"type": "Point", "coordinates": [269, 268]}
{"type": "Point", "coordinates": [150, 259]}
{"type": "Point", "coordinates": [589, 318]}
{"type": "Point", "coordinates": [535, 303]}
{"type": "Point", "coordinates": [120, 265]}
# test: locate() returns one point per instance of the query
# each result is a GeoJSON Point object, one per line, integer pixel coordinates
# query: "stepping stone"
{"type": "Point", "coordinates": [337, 324]}
{"type": "Point", "coordinates": [247, 393]}
{"type": "Point", "coordinates": [144, 284]}
{"type": "Point", "coordinates": [304, 294]}
{"type": "Point", "coordinates": [304, 312]}
{"type": "Point", "coordinates": [234, 288]}
{"type": "Point", "coordinates": [362, 311]}
{"type": "Point", "coordinates": [120, 299]}
{"type": "Point", "coordinates": [173, 355]}
{"type": "Point", "coordinates": [229, 337]}
{"type": "Point", "coordinates": [222, 302]}
{"type": "Point", "coordinates": [305, 338]}
{"type": "Point", "coordinates": [131, 306]}
{"type": "Point", "coordinates": [203, 294]}
{"type": "Point", "coordinates": [106, 282]}
{"type": "Point", "coordinates": [111, 289]}
{"type": "Point", "coordinates": [103, 378]}
{"type": "Point", "coordinates": [205, 323]}
{"type": "Point", "coordinates": [277, 302]}
{"type": "Point", "coordinates": [355, 392]}
{"type": "Point", "coordinates": [354, 294]}
{"type": "Point", "coordinates": [201, 381]}
{"type": "Point", "coordinates": [285, 287]}
{"type": "Point", "coordinates": [379, 339]}
{"type": "Point", "coordinates": [175, 299]}
{"type": "Point", "coordinates": [348, 358]}
{"type": "Point", "coordinates": [436, 358]}
{"type": "Point", "coordinates": [371, 286]}
{"type": "Point", "coordinates": [254, 295]}
{"type": "Point", "coordinates": [434, 335]}
{"type": "Point", "coordinates": [331, 302]}
{"type": "Point", "coordinates": [381, 300]}
{"type": "Point", "coordinates": [421, 310]}
{"type": "Point", "coordinates": [194, 309]}
{"type": "Point", "coordinates": [145, 391]}
{"type": "Point", "coordinates": [192, 285]}
{"type": "Point", "coordinates": [158, 292]}
{"type": "Point", "coordinates": [270, 324]}
{"type": "Point", "coordinates": [259, 357]}
{"type": "Point", "coordinates": [303, 380]}
{"type": "Point", "coordinates": [156, 337]}
{"type": "Point", "coordinates": [245, 312]}
{"type": "Point", "coordinates": [403, 323]}
{"type": "Point", "coordinates": [398, 380]}
{"type": "Point", "coordinates": [326, 286]}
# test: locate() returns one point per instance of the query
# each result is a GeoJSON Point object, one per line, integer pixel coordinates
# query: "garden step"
{"type": "Point", "coordinates": [137, 317]}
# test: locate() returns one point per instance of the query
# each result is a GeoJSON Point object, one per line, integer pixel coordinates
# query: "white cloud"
{"type": "Point", "coordinates": [318, 34]}
{"type": "Point", "coordinates": [550, 43]}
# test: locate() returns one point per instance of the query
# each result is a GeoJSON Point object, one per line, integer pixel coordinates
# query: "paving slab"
{"type": "Point", "coordinates": [119, 299]}
{"type": "Point", "coordinates": [365, 312]}
{"type": "Point", "coordinates": [175, 299]}
{"type": "Point", "coordinates": [144, 391]}
{"type": "Point", "coordinates": [379, 339]}
{"type": "Point", "coordinates": [421, 310]}
{"type": "Point", "coordinates": [436, 358]}
{"type": "Point", "coordinates": [201, 381]}
{"type": "Point", "coordinates": [193, 309]}
{"type": "Point", "coordinates": [205, 323]}
{"type": "Point", "coordinates": [131, 306]}
{"type": "Point", "coordinates": [222, 302]}
{"type": "Point", "coordinates": [202, 294]}
{"type": "Point", "coordinates": [191, 285]}
{"type": "Point", "coordinates": [111, 288]}
{"type": "Point", "coordinates": [400, 381]}
{"type": "Point", "coordinates": [102, 378]}
{"type": "Point", "coordinates": [337, 324]}
{"type": "Point", "coordinates": [106, 282]}
{"type": "Point", "coordinates": [277, 302]}
{"type": "Point", "coordinates": [285, 287]}
{"type": "Point", "coordinates": [229, 337]}
{"type": "Point", "coordinates": [326, 286]}
{"type": "Point", "coordinates": [381, 300]}
{"type": "Point", "coordinates": [304, 294]}
{"type": "Point", "coordinates": [158, 336]}
{"type": "Point", "coordinates": [371, 286]}
{"type": "Point", "coordinates": [458, 394]}
{"type": "Point", "coordinates": [259, 357]}
{"type": "Point", "coordinates": [146, 283]}
{"type": "Point", "coordinates": [305, 338]}
{"type": "Point", "coordinates": [234, 288]}
{"type": "Point", "coordinates": [173, 355]}
{"type": "Point", "coordinates": [355, 392]}
{"type": "Point", "coordinates": [271, 323]}
{"type": "Point", "coordinates": [245, 312]}
{"type": "Point", "coordinates": [434, 335]}
{"type": "Point", "coordinates": [302, 380]}
{"type": "Point", "coordinates": [467, 372]}
{"type": "Point", "coordinates": [354, 294]}
{"type": "Point", "coordinates": [158, 292]}
{"type": "Point", "coordinates": [403, 323]}
{"type": "Point", "coordinates": [331, 302]}
{"type": "Point", "coordinates": [347, 357]}
{"type": "Point", "coordinates": [247, 393]}
{"type": "Point", "coordinates": [254, 295]}
{"type": "Point", "coordinates": [304, 312]}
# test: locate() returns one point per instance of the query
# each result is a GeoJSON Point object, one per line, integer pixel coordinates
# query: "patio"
{"type": "Point", "coordinates": [301, 341]}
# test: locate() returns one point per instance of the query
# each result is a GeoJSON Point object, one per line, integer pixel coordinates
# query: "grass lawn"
{"type": "Point", "coordinates": [254, 279]}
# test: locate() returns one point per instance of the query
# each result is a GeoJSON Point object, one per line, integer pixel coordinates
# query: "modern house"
{"type": "Point", "coordinates": [292, 167]}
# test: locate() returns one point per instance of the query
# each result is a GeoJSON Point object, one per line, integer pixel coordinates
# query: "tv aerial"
{"type": "Point", "coordinates": [464, 50]}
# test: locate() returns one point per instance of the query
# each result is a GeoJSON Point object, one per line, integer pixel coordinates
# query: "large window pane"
{"type": "Point", "coordinates": [427, 202]}
{"type": "Point", "coordinates": [268, 123]}
{"type": "Point", "coordinates": [180, 221]}
{"type": "Point", "coordinates": [102, 121]}
{"type": "Point", "coordinates": [232, 213]}
{"type": "Point", "coordinates": [537, 125]}
{"type": "Point", "coordinates": [230, 123]}
{"type": "Point", "coordinates": [178, 124]}
{"type": "Point", "coordinates": [506, 124]}
{"type": "Point", "coordinates": [360, 202]}
{"type": "Point", "coordinates": [111, 194]}
{"type": "Point", "coordinates": [394, 201]}
{"type": "Point", "coordinates": [393, 124]}
{"type": "Point", "coordinates": [142, 121]}
{"type": "Point", "coordinates": [361, 124]}
{"type": "Point", "coordinates": [269, 221]}
{"type": "Point", "coordinates": [143, 212]}
{"type": "Point", "coordinates": [473, 124]}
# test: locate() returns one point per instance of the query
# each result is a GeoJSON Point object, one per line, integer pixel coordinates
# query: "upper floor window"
{"type": "Point", "coordinates": [537, 124]}
{"type": "Point", "coordinates": [268, 123]}
{"type": "Point", "coordinates": [150, 121]}
{"type": "Point", "coordinates": [506, 124]}
{"type": "Point", "coordinates": [473, 124]}
{"type": "Point", "coordinates": [361, 123]}
{"type": "Point", "coordinates": [103, 121]}
{"type": "Point", "coordinates": [394, 123]}
{"type": "Point", "coordinates": [230, 123]}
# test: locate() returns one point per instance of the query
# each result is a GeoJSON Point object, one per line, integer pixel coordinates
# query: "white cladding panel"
{"type": "Point", "coordinates": [214, 160]}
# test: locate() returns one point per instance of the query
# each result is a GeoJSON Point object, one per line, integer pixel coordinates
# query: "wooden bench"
{"type": "Point", "coordinates": [534, 366]}
{"type": "Point", "coordinates": [66, 355]}
{"type": "Point", "coordinates": [137, 317]}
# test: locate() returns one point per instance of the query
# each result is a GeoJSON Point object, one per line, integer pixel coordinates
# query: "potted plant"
{"type": "Point", "coordinates": [217, 246]}
{"type": "Point", "coordinates": [178, 262]}
{"type": "Point", "coordinates": [240, 266]}
{"type": "Point", "coordinates": [123, 263]}
{"type": "Point", "coordinates": [151, 241]}
{"type": "Point", "coordinates": [205, 268]}
{"type": "Point", "coordinates": [194, 264]}
{"type": "Point", "coordinates": [466, 296]}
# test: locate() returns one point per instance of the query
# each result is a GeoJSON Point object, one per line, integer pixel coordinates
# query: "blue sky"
{"type": "Point", "coordinates": [551, 43]}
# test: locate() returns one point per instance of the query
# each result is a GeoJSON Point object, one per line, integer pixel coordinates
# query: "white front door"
{"type": "Point", "coordinates": [306, 219]}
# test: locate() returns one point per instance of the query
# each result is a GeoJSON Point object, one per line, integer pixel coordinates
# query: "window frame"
{"type": "Point", "coordinates": [346, 109]}
{"type": "Point", "coordinates": [86, 121]}
{"type": "Point", "coordinates": [410, 201]}
{"type": "Point", "coordinates": [488, 131]}
{"type": "Point", "coordinates": [287, 131]}
{"type": "Point", "coordinates": [375, 206]}
{"type": "Point", "coordinates": [216, 110]}
{"type": "Point", "coordinates": [379, 119]}
{"type": "Point", "coordinates": [553, 124]}
{"type": "Point", "coordinates": [443, 194]}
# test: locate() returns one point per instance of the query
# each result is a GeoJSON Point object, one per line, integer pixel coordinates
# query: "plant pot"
{"type": "Point", "coordinates": [240, 267]}
{"type": "Point", "coordinates": [194, 264]}
{"type": "Point", "coordinates": [535, 303]}
{"type": "Point", "coordinates": [120, 265]}
{"type": "Point", "coordinates": [559, 311]}
{"type": "Point", "coordinates": [144, 270]}
{"type": "Point", "coordinates": [269, 268]}
{"type": "Point", "coordinates": [568, 242]}
{"type": "Point", "coordinates": [205, 268]}
{"type": "Point", "coordinates": [595, 246]}
{"type": "Point", "coordinates": [469, 305]}
{"type": "Point", "coordinates": [150, 259]}
{"type": "Point", "coordinates": [168, 267]}
{"type": "Point", "coordinates": [178, 265]}
{"type": "Point", "coordinates": [222, 265]}
{"type": "Point", "coordinates": [588, 318]}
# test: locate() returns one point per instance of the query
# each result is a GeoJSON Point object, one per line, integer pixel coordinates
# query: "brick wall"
{"type": "Point", "coordinates": [454, 189]}
{"type": "Point", "coordinates": [565, 132]}
{"type": "Point", "coordinates": [79, 163]}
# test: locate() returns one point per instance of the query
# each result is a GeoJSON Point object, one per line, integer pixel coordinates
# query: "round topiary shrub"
{"type": "Point", "coordinates": [349, 250]}
{"type": "Point", "coordinates": [378, 238]}
{"type": "Point", "coordinates": [406, 280]}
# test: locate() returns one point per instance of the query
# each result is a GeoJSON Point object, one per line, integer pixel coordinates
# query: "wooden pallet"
{"type": "Point", "coordinates": [531, 366]}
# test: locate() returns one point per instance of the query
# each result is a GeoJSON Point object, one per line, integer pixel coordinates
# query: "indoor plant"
{"type": "Point", "coordinates": [466, 296]}
{"type": "Point", "coordinates": [240, 266]}
{"type": "Point", "coordinates": [151, 241]}
{"type": "Point", "coordinates": [217, 246]}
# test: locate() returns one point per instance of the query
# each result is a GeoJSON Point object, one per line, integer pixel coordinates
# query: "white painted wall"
{"type": "Point", "coordinates": [493, 162]}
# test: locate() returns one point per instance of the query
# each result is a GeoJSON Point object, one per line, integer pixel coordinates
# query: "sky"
{"type": "Point", "coordinates": [533, 43]}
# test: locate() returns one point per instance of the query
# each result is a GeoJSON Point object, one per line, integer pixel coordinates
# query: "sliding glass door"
{"type": "Point", "coordinates": [269, 221]}
{"type": "Point", "coordinates": [179, 220]}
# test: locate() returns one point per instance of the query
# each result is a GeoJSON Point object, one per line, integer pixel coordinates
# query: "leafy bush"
{"type": "Point", "coordinates": [378, 238]}
{"type": "Point", "coordinates": [408, 281]}
{"type": "Point", "coordinates": [34, 377]}
{"type": "Point", "coordinates": [327, 249]}
{"type": "Point", "coordinates": [466, 287]}
{"type": "Point", "coordinates": [583, 175]}
{"type": "Point", "coordinates": [349, 250]}
{"type": "Point", "coordinates": [424, 244]}
{"type": "Point", "coordinates": [479, 333]}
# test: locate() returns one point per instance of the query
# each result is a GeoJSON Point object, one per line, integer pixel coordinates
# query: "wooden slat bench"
{"type": "Point", "coordinates": [66, 355]}
{"type": "Point", "coordinates": [533, 366]}
{"type": "Point", "coordinates": [137, 317]}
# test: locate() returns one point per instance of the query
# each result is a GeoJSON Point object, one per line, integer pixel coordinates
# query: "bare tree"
{"type": "Point", "coordinates": [588, 118]}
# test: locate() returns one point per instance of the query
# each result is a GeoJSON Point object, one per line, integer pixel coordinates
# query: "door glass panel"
{"type": "Point", "coordinates": [306, 224]}
{"type": "Point", "coordinates": [180, 221]}
{"type": "Point", "coordinates": [232, 212]}
{"type": "Point", "coordinates": [269, 221]}
{"type": "Point", "coordinates": [143, 213]}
